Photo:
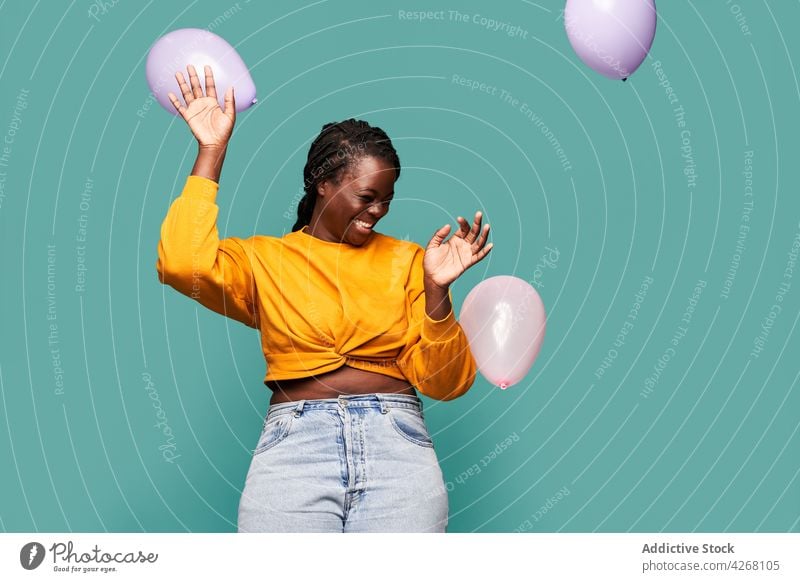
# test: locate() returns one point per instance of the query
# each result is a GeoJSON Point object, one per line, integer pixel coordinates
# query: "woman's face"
{"type": "Point", "coordinates": [347, 212]}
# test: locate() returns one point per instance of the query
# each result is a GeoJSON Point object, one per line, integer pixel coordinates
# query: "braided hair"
{"type": "Point", "coordinates": [336, 149]}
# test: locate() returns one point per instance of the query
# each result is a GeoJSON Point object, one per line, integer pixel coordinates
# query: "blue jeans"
{"type": "Point", "coordinates": [356, 463]}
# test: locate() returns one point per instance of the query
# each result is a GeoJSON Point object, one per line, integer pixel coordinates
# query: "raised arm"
{"type": "Point", "coordinates": [191, 257]}
{"type": "Point", "coordinates": [438, 360]}
{"type": "Point", "coordinates": [194, 261]}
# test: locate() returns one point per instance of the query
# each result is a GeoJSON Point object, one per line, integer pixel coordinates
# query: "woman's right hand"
{"type": "Point", "coordinates": [209, 123]}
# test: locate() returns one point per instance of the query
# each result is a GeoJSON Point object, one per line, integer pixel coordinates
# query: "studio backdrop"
{"type": "Point", "coordinates": [657, 218]}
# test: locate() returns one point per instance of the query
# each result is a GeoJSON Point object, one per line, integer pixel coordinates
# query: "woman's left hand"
{"type": "Point", "coordinates": [445, 261]}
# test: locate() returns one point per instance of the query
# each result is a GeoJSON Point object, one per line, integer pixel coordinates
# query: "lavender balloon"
{"type": "Point", "coordinates": [611, 36]}
{"type": "Point", "coordinates": [197, 46]}
{"type": "Point", "coordinates": [504, 320]}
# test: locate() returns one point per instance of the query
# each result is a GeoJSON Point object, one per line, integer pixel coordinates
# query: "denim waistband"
{"type": "Point", "coordinates": [375, 400]}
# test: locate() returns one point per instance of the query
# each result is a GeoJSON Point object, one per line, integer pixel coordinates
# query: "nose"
{"type": "Point", "coordinates": [377, 211]}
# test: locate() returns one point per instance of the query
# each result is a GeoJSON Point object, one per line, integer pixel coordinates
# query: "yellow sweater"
{"type": "Point", "coordinates": [318, 304]}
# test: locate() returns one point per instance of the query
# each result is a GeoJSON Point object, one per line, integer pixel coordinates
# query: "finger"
{"type": "Point", "coordinates": [484, 252]}
{"type": "Point", "coordinates": [211, 88]}
{"type": "Point", "coordinates": [476, 227]}
{"type": "Point", "coordinates": [195, 81]}
{"type": "Point", "coordinates": [185, 89]}
{"type": "Point", "coordinates": [438, 237]}
{"type": "Point", "coordinates": [463, 227]}
{"type": "Point", "coordinates": [230, 104]}
{"type": "Point", "coordinates": [484, 235]}
{"type": "Point", "coordinates": [176, 103]}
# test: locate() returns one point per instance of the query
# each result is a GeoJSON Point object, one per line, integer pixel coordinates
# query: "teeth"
{"type": "Point", "coordinates": [364, 224]}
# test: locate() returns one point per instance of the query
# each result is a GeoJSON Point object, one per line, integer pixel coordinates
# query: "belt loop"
{"type": "Point", "coordinates": [384, 406]}
{"type": "Point", "coordinates": [298, 410]}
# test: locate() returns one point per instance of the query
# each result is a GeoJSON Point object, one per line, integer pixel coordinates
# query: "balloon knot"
{"type": "Point", "coordinates": [503, 385]}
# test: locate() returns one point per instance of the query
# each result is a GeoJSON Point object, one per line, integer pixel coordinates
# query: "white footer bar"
{"type": "Point", "coordinates": [488, 557]}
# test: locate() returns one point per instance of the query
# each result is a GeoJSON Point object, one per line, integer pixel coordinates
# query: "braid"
{"type": "Point", "coordinates": [336, 149]}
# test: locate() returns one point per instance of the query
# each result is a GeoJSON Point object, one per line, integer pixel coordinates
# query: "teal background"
{"type": "Point", "coordinates": [714, 447]}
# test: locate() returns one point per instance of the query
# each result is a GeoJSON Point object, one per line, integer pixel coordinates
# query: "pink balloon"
{"type": "Point", "coordinates": [611, 36]}
{"type": "Point", "coordinates": [504, 320]}
{"type": "Point", "coordinates": [199, 47]}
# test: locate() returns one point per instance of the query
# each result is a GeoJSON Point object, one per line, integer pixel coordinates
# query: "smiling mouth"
{"type": "Point", "coordinates": [364, 225]}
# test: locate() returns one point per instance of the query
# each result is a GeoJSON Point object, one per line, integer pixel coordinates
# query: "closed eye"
{"type": "Point", "coordinates": [368, 199]}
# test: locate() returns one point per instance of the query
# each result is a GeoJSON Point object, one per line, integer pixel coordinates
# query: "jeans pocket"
{"type": "Point", "coordinates": [410, 425]}
{"type": "Point", "coordinates": [276, 428]}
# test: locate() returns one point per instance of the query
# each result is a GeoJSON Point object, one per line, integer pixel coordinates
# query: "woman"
{"type": "Point", "coordinates": [352, 322]}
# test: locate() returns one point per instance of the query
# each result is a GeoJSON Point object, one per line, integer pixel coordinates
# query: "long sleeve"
{"type": "Point", "coordinates": [193, 260]}
{"type": "Point", "coordinates": [438, 360]}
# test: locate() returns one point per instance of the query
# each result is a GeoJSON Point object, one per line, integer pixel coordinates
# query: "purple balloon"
{"type": "Point", "coordinates": [504, 320]}
{"type": "Point", "coordinates": [199, 47]}
{"type": "Point", "coordinates": [611, 36]}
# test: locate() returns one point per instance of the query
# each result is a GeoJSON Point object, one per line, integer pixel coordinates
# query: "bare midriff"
{"type": "Point", "coordinates": [343, 380]}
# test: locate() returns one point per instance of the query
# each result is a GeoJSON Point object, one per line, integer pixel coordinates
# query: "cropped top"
{"type": "Point", "coordinates": [318, 304]}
